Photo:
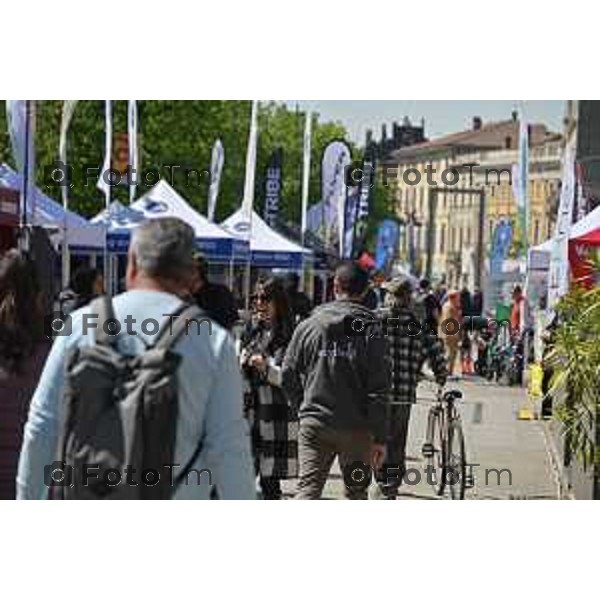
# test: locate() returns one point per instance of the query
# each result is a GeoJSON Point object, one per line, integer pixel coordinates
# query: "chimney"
{"type": "Point", "coordinates": [515, 116]}
{"type": "Point", "coordinates": [476, 123]}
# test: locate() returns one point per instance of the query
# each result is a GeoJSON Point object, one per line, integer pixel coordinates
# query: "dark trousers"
{"type": "Point", "coordinates": [318, 446]}
{"type": "Point", "coordinates": [271, 488]}
{"type": "Point", "coordinates": [390, 476]}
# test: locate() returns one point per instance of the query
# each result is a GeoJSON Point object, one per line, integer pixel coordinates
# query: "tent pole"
{"type": "Point", "coordinates": [247, 282]}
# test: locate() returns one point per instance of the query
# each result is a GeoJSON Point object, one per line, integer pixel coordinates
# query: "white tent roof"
{"type": "Point", "coordinates": [589, 223]}
{"type": "Point", "coordinates": [51, 215]}
{"type": "Point", "coordinates": [163, 201]}
{"type": "Point", "coordinates": [263, 238]}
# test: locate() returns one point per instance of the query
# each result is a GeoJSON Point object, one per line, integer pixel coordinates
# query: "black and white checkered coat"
{"type": "Point", "coordinates": [274, 426]}
{"type": "Point", "coordinates": [410, 345]}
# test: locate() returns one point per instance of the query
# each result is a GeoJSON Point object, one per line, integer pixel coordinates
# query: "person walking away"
{"type": "Point", "coordinates": [431, 306]}
{"type": "Point", "coordinates": [519, 330]}
{"type": "Point", "coordinates": [214, 298]}
{"type": "Point", "coordinates": [209, 432]}
{"type": "Point", "coordinates": [410, 346]}
{"type": "Point", "coordinates": [274, 427]}
{"type": "Point", "coordinates": [334, 374]}
{"type": "Point", "coordinates": [23, 350]}
{"type": "Point", "coordinates": [379, 289]}
{"type": "Point", "coordinates": [450, 328]}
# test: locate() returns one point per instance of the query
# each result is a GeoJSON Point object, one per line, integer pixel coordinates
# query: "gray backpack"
{"type": "Point", "coordinates": [117, 441]}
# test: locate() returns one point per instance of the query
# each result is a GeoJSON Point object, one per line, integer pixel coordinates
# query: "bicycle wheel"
{"type": "Point", "coordinates": [434, 450]}
{"type": "Point", "coordinates": [457, 462]}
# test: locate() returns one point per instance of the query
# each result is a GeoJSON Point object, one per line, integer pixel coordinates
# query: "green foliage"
{"type": "Point", "coordinates": [183, 133]}
{"type": "Point", "coordinates": [575, 358]}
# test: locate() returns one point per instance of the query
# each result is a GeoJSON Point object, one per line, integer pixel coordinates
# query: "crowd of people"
{"type": "Point", "coordinates": [295, 389]}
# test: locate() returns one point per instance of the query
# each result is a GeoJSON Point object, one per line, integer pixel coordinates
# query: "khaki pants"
{"type": "Point", "coordinates": [318, 446]}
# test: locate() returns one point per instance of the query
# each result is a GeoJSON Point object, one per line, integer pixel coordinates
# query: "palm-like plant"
{"type": "Point", "coordinates": [575, 360]}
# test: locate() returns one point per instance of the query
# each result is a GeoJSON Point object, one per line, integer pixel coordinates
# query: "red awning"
{"type": "Point", "coordinates": [591, 238]}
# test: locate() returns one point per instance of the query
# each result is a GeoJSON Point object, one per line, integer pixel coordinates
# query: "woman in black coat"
{"type": "Point", "coordinates": [274, 426]}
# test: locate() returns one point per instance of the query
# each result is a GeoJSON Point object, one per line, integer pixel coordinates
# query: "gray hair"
{"type": "Point", "coordinates": [163, 248]}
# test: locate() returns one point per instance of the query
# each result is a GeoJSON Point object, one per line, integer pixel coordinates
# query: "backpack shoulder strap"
{"type": "Point", "coordinates": [178, 324]}
{"type": "Point", "coordinates": [103, 307]}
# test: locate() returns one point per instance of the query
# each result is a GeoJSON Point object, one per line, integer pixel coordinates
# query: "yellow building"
{"type": "Point", "coordinates": [451, 192]}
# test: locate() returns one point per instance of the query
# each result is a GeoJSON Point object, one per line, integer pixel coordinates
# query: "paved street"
{"type": "Point", "coordinates": [494, 438]}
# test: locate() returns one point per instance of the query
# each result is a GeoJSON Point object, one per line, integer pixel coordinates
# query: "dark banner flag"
{"type": "Point", "coordinates": [361, 220]}
{"type": "Point", "coordinates": [273, 184]}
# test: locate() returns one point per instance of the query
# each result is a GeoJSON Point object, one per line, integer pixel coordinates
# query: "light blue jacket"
{"type": "Point", "coordinates": [210, 399]}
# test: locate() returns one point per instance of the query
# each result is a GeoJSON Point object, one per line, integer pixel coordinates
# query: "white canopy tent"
{"type": "Point", "coordinates": [539, 256]}
{"type": "Point", "coordinates": [163, 201]}
{"type": "Point", "coordinates": [269, 249]}
{"type": "Point", "coordinates": [44, 212]}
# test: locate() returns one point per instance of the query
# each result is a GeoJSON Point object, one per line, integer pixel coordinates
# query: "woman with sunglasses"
{"type": "Point", "coordinates": [274, 427]}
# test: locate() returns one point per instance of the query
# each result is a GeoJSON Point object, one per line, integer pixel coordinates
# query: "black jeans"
{"type": "Point", "coordinates": [390, 476]}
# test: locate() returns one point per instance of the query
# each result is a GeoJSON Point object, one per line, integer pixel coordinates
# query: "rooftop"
{"type": "Point", "coordinates": [494, 135]}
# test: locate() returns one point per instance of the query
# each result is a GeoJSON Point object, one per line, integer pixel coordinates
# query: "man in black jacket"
{"type": "Point", "coordinates": [334, 374]}
{"type": "Point", "coordinates": [216, 299]}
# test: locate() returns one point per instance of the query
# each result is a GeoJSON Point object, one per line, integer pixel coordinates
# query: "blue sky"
{"type": "Point", "coordinates": [441, 116]}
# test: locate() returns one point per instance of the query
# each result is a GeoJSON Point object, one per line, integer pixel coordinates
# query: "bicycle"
{"type": "Point", "coordinates": [444, 446]}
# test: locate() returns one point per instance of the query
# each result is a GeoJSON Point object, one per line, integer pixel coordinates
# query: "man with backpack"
{"type": "Point", "coordinates": [141, 395]}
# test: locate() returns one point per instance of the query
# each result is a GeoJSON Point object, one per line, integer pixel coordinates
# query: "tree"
{"type": "Point", "coordinates": [176, 140]}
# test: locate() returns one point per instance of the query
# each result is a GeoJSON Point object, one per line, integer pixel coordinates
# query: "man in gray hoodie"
{"type": "Point", "coordinates": [334, 373]}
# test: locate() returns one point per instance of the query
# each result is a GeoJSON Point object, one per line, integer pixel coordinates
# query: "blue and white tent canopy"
{"type": "Point", "coordinates": [81, 234]}
{"type": "Point", "coordinates": [270, 250]}
{"type": "Point", "coordinates": [163, 201]}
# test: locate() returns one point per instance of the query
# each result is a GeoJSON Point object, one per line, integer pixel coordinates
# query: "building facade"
{"type": "Point", "coordinates": [451, 192]}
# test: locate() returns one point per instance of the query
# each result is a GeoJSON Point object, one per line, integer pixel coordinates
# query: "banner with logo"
{"type": "Point", "coordinates": [20, 115]}
{"type": "Point", "coordinates": [351, 214]}
{"type": "Point", "coordinates": [520, 178]}
{"type": "Point", "coordinates": [306, 171]}
{"type": "Point", "coordinates": [273, 184]}
{"type": "Point", "coordinates": [216, 168]}
{"type": "Point", "coordinates": [362, 209]}
{"type": "Point", "coordinates": [558, 278]}
{"type": "Point", "coordinates": [67, 115]}
{"type": "Point", "coordinates": [248, 200]}
{"type": "Point", "coordinates": [501, 242]}
{"type": "Point", "coordinates": [388, 235]}
{"type": "Point", "coordinates": [68, 109]}
{"type": "Point", "coordinates": [336, 157]}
